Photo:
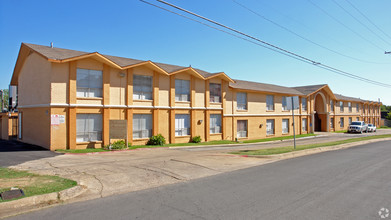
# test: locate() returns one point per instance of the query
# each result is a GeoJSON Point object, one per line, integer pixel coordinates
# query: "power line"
{"type": "Point", "coordinates": [368, 19]}
{"type": "Point", "coordinates": [347, 27]}
{"type": "Point", "coordinates": [298, 35]}
{"type": "Point", "coordinates": [268, 45]}
{"type": "Point", "coordinates": [354, 17]}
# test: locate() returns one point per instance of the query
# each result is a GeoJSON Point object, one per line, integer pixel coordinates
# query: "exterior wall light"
{"type": "Point", "coordinates": [200, 122]}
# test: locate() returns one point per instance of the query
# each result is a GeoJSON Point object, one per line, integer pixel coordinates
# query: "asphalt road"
{"type": "Point", "coordinates": [353, 183]}
{"type": "Point", "coordinates": [13, 153]}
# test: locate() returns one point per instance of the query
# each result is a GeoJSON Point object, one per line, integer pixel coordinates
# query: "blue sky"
{"type": "Point", "coordinates": [136, 30]}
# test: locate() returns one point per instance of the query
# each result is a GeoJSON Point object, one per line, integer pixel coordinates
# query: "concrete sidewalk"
{"type": "Point", "coordinates": [115, 173]}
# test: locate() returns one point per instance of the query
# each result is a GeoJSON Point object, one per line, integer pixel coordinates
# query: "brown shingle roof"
{"type": "Point", "coordinates": [309, 89]}
{"type": "Point", "coordinates": [347, 98]}
{"type": "Point", "coordinates": [263, 87]}
{"type": "Point", "coordinates": [55, 53]}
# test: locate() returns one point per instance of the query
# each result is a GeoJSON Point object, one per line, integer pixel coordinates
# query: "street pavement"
{"type": "Point", "coordinates": [352, 183]}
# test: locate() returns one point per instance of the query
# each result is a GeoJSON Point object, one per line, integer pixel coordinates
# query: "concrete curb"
{"type": "Point", "coordinates": [27, 204]}
{"type": "Point", "coordinates": [315, 150]}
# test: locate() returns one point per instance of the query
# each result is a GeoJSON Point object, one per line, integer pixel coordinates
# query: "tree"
{"type": "Point", "coordinates": [385, 108]}
{"type": "Point", "coordinates": [388, 116]}
{"type": "Point", "coordinates": [4, 99]}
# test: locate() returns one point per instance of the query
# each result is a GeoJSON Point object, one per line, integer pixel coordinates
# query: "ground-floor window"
{"type": "Point", "coordinates": [88, 127]}
{"type": "Point", "coordinates": [182, 125]}
{"type": "Point", "coordinates": [270, 126]}
{"type": "Point", "coordinates": [215, 123]}
{"type": "Point", "coordinates": [341, 122]}
{"type": "Point", "coordinates": [350, 120]}
{"type": "Point", "coordinates": [358, 119]}
{"type": "Point", "coordinates": [242, 128]}
{"type": "Point", "coordinates": [304, 124]}
{"type": "Point", "coordinates": [142, 126]}
{"type": "Point", "coordinates": [285, 126]}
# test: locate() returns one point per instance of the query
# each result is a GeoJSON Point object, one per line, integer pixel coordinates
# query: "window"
{"type": "Point", "coordinates": [350, 106]}
{"type": "Point", "coordinates": [270, 103]}
{"type": "Point", "coordinates": [215, 92]}
{"type": "Point", "coordinates": [182, 90]}
{"type": "Point", "coordinates": [142, 126]}
{"type": "Point", "coordinates": [215, 124]}
{"type": "Point", "coordinates": [284, 103]}
{"type": "Point", "coordinates": [357, 107]}
{"type": "Point", "coordinates": [182, 125]}
{"type": "Point", "coordinates": [242, 129]}
{"type": "Point", "coordinates": [304, 124]}
{"type": "Point", "coordinates": [285, 126]}
{"type": "Point", "coordinates": [350, 120]}
{"type": "Point", "coordinates": [142, 87]}
{"type": "Point", "coordinates": [89, 83]}
{"type": "Point", "coordinates": [332, 123]}
{"type": "Point", "coordinates": [88, 127]}
{"type": "Point", "coordinates": [341, 122]}
{"type": "Point", "coordinates": [270, 126]}
{"type": "Point", "coordinates": [341, 106]}
{"type": "Point", "coordinates": [304, 104]}
{"type": "Point", "coordinates": [358, 119]}
{"type": "Point", "coordinates": [241, 98]}
{"type": "Point", "coordinates": [331, 105]}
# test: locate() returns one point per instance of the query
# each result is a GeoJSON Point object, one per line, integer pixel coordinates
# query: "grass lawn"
{"type": "Point", "coordinates": [342, 131]}
{"type": "Point", "coordinates": [281, 150]}
{"type": "Point", "coordinates": [384, 127]}
{"type": "Point", "coordinates": [32, 184]}
{"type": "Point", "coordinates": [91, 150]}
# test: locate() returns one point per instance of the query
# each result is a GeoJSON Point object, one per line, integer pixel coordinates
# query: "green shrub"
{"type": "Point", "coordinates": [157, 140]}
{"type": "Point", "coordinates": [196, 139]}
{"type": "Point", "coordinates": [118, 145]}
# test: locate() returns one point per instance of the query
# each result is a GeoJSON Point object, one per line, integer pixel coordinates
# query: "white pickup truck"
{"type": "Point", "coordinates": [358, 126]}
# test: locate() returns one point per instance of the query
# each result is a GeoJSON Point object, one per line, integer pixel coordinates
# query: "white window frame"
{"type": "Point", "coordinates": [241, 101]}
{"type": "Point", "coordinates": [142, 87]}
{"type": "Point", "coordinates": [215, 92]}
{"type": "Point", "coordinates": [270, 102]}
{"type": "Point", "coordinates": [341, 107]}
{"type": "Point", "coordinates": [304, 104]}
{"type": "Point", "coordinates": [92, 90]}
{"type": "Point", "coordinates": [89, 133]}
{"type": "Point", "coordinates": [304, 124]}
{"type": "Point", "coordinates": [270, 126]}
{"type": "Point", "coordinates": [215, 124]}
{"type": "Point", "coordinates": [341, 122]}
{"type": "Point", "coordinates": [142, 126]}
{"type": "Point", "coordinates": [285, 126]}
{"type": "Point", "coordinates": [182, 90]}
{"type": "Point", "coordinates": [242, 133]}
{"type": "Point", "coordinates": [357, 107]}
{"type": "Point", "coordinates": [182, 125]}
{"type": "Point", "coordinates": [350, 106]}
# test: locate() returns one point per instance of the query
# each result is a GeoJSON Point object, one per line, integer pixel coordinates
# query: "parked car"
{"type": "Point", "coordinates": [371, 128]}
{"type": "Point", "coordinates": [358, 126]}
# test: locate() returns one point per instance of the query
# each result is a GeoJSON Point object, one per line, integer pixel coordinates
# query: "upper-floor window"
{"type": "Point", "coordinates": [182, 90]}
{"type": "Point", "coordinates": [215, 123]}
{"type": "Point", "coordinates": [142, 87]}
{"type": "Point", "coordinates": [269, 102]}
{"type": "Point", "coordinates": [304, 104]}
{"type": "Point", "coordinates": [341, 106]}
{"type": "Point", "coordinates": [331, 105]}
{"type": "Point", "coordinates": [241, 98]}
{"type": "Point", "coordinates": [89, 83]}
{"type": "Point", "coordinates": [284, 103]}
{"type": "Point", "coordinates": [357, 107]}
{"type": "Point", "coordinates": [350, 106]}
{"type": "Point", "coordinates": [215, 92]}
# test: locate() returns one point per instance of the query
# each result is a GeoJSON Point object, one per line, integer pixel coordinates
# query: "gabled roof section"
{"type": "Point", "coordinates": [61, 55]}
{"type": "Point", "coordinates": [312, 89]}
{"type": "Point", "coordinates": [263, 87]}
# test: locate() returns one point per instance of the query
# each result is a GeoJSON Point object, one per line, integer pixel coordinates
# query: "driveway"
{"type": "Point", "coordinates": [13, 153]}
{"type": "Point", "coordinates": [118, 172]}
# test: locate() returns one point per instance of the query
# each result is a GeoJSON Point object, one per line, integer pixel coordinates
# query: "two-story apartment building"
{"type": "Point", "coordinates": [67, 98]}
